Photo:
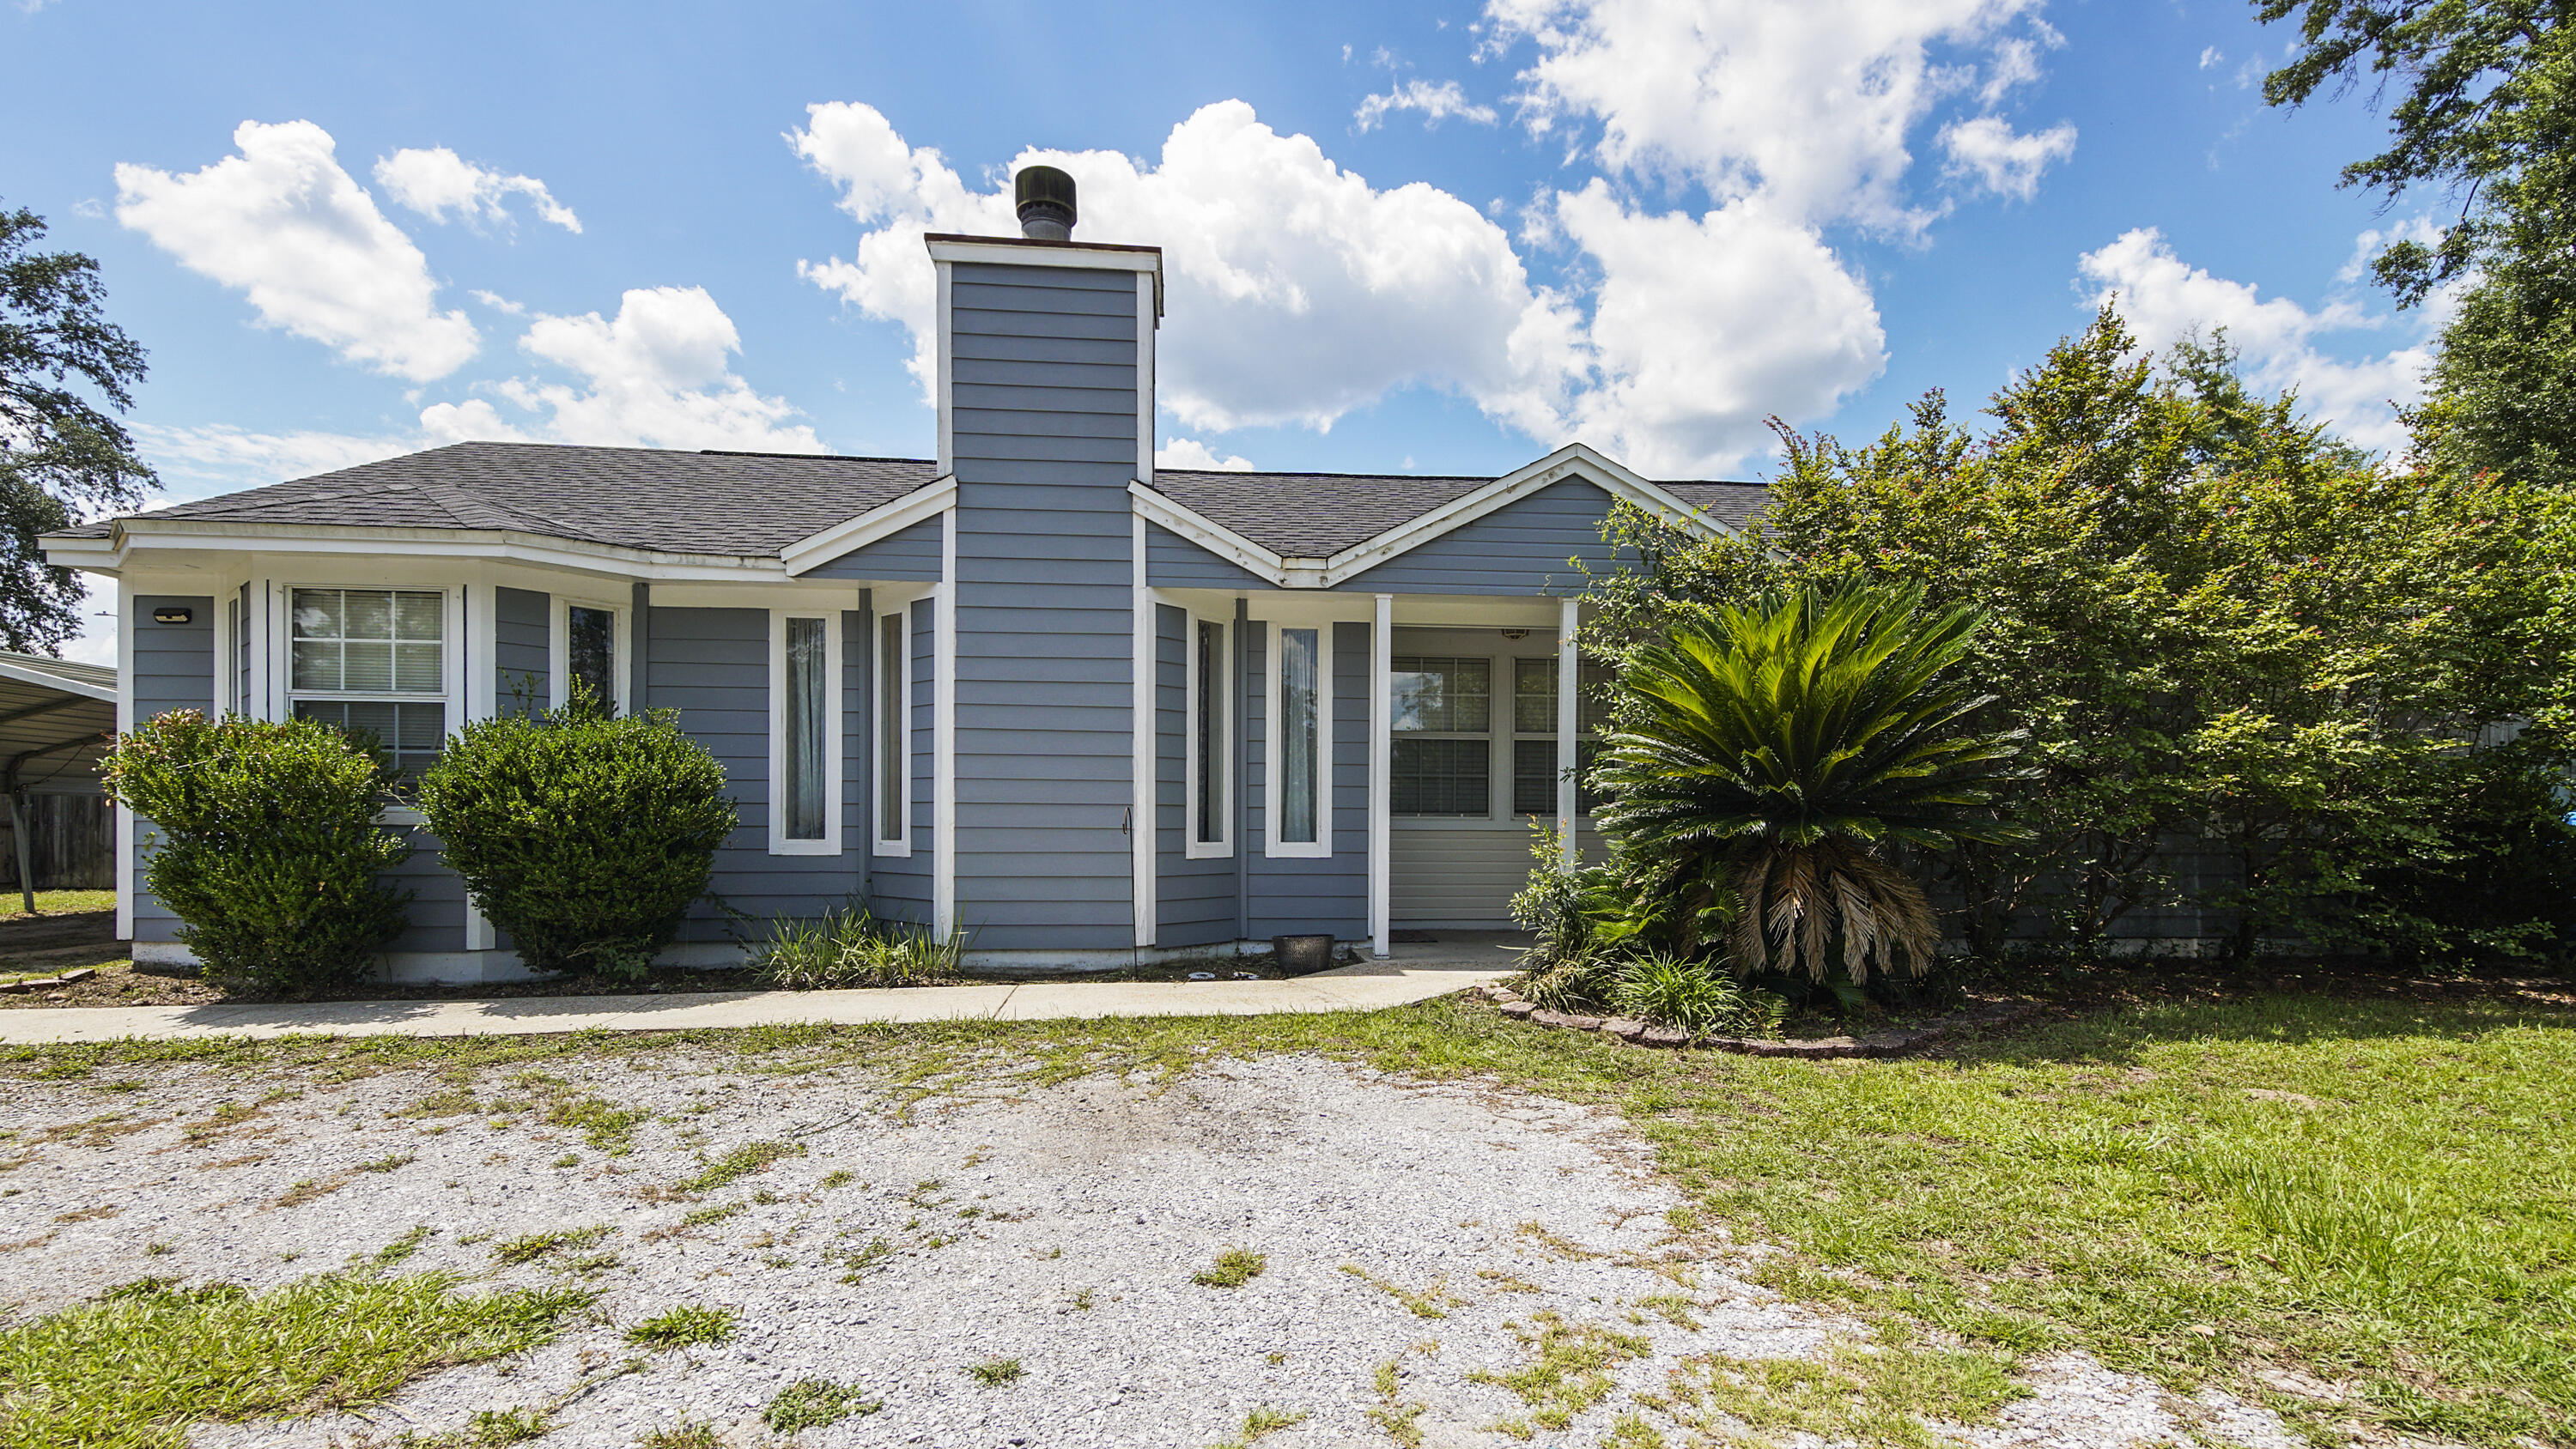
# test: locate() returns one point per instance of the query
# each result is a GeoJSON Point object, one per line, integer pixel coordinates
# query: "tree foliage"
{"type": "Point", "coordinates": [60, 450]}
{"type": "Point", "coordinates": [2260, 675]}
{"type": "Point", "coordinates": [264, 844]}
{"type": "Point", "coordinates": [2484, 112]}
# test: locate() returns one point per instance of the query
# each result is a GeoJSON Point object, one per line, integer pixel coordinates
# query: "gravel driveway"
{"type": "Point", "coordinates": [1436, 1229]}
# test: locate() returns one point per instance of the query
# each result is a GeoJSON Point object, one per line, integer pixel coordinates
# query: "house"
{"type": "Point", "coordinates": [1034, 690]}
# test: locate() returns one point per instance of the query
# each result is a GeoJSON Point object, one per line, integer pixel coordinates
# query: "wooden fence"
{"type": "Point", "coordinates": [71, 842]}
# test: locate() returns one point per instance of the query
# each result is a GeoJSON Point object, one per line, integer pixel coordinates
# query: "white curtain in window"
{"type": "Point", "coordinates": [1300, 652]}
{"type": "Point", "coordinates": [807, 720]}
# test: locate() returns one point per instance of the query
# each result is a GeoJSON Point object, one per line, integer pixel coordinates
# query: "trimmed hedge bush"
{"type": "Point", "coordinates": [268, 847]}
{"type": "Point", "coordinates": [584, 835]}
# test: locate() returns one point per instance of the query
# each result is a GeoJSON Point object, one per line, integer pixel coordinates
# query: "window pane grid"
{"type": "Point", "coordinates": [1439, 695]}
{"type": "Point", "coordinates": [1440, 777]}
{"type": "Point", "coordinates": [367, 641]}
{"type": "Point", "coordinates": [1534, 723]}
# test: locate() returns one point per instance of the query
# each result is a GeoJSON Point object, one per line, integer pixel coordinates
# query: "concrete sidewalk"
{"type": "Point", "coordinates": [1414, 973]}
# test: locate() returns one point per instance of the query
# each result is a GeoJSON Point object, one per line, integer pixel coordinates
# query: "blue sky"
{"type": "Point", "coordinates": [347, 231]}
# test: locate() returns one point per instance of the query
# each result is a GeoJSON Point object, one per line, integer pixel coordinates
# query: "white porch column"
{"type": "Point", "coordinates": [1381, 767]}
{"type": "Point", "coordinates": [1569, 681]}
{"type": "Point", "coordinates": [1142, 740]}
{"type": "Point", "coordinates": [943, 735]}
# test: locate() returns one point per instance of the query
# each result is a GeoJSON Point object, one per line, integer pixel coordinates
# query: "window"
{"type": "Point", "coordinates": [1300, 738]}
{"type": "Point", "coordinates": [1442, 756]}
{"type": "Point", "coordinates": [893, 782]}
{"type": "Point", "coordinates": [1210, 762]}
{"type": "Point", "coordinates": [373, 662]}
{"type": "Point", "coordinates": [1534, 774]}
{"type": "Point", "coordinates": [804, 734]}
{"type": "Point", "coordinates": [590, 650]}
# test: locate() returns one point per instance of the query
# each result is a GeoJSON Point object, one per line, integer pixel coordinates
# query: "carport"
{"type": "Point", "coordinates": [57, 717]}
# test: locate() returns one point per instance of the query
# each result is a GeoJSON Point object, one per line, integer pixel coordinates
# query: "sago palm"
{"type": "Point", "coordinates": [1785, 747]}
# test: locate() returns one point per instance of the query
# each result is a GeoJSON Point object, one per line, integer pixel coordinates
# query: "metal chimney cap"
{"type": "Point", "coordinates": [1045, 197]}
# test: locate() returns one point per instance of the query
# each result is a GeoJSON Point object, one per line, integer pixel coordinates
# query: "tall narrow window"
{"type": "Point", "coordinates": [1534, 767]}
{"type": "Point", "coordinates": [1208, 734]}
{"type": "Point", "coordinates": [1300, 735]}
{"type": "Point", "coordinates": [892, 737]}
{"type": "Point", "coordinates": [373, 662]}
{"type": "Point", "coordinates": [1442, 754]}
{"type": "Point", "coordinates": [805, 794]}
{"type": "Point", "coordinates": [590, 650]}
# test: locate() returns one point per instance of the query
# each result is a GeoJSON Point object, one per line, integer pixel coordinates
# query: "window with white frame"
{"type": "Point", "coordinates": [1209, 768]}
{"type": "Point", "coordinates": [590, 651]}
{"type": "Point", "coordinates": [1299, 751]}
{"type": "Point", "coordinates": [1534, 765]}
{"type": "Point", "coordinates": [893, 784]}
{"type": "Point", "coordinates": [804, 733]}
{"type": "Point", "coordinates": [1441, 759]}
{"type": "Point", "coordinates": [372, 662]}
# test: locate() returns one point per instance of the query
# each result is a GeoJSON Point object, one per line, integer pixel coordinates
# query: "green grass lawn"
{"type": "Point", "coordinates": [2372, 1192]}
{"type": "Point", "coordinates": [54, 903]}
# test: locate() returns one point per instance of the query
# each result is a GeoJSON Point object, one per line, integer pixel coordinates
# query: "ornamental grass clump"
{"type": "Point", "coordinates": [584, 835]}
{"type": "Point", "coordinates": [1779, 752]}
{"type": "Point", "coordinates": [849, 947]}
{"type": "Point", "coordinates": [264, 843]}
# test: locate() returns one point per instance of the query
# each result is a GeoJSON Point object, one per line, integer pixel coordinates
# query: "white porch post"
{"type": "Point", "coordinates": [482, 690]}
{"type": "Point", "coordinates": [1381, 767]}
{"type": "Point", "coordinates": [1569, 680]}
{"type": "Point", "coordinates": [1142, 741]}
{"type": "Point", "coordinates": [943, 734]}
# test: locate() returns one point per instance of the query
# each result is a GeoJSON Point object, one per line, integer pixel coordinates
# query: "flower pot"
{"type": "Point", "coordinates": [1301, 955]}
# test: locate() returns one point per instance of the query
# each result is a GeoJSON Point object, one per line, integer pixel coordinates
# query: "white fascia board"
{"type": "Point", "coordinates": [1215, 537]}
{"type": "Point", "coordinates": [1002, 252]}
{"type": "Point", "coordinates": [1573, 461]}
{"type": "Point", "coordinates": [883, 521]}
{"type": "Point", "coordinates": [177, 534]}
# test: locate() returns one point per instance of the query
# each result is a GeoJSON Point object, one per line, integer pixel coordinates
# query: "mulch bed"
{"type": "Point", "coordinates": [1895, 1041]}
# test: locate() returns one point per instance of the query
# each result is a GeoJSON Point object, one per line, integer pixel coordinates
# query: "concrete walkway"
{"type": "Point", "coordinates": [1414, 973]}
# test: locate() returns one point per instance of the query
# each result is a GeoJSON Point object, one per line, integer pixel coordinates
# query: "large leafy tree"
{"type": "Point", "coordinates": [1786, 748]}
{"type": "Point", "coordinates": [64, 368]}
{"type": "Point", "coordinates": [2483, 113]}
{"type": "Point", "coordinates": [2262, 675]}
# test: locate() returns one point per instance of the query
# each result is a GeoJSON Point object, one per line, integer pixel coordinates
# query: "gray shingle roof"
{"type": "Point", "coordinates": [754, 504]}
{"type": "Point", "coordinates": [1317, 515]}
{"type": "Point", "coordinates": [647, 498]}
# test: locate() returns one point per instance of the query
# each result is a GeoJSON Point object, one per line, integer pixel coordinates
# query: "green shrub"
{"type": "Point", "coordinates": [585, 836]}
{"type": "Point", "coordinates": [1694, 996]}
{"type": "Point", "coordinates": [849, 947]}
{"type": "Point", "coordinates": [267, 846]}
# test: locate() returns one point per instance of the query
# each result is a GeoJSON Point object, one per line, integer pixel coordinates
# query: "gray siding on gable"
{"type": "Point", "coordinates": [911, 555]}
{"type": "Point", "coordinates": [899, 887]}
{"type": "Point", "coordinates": [1521, 548]}
{"type": "Point", "coordinates": [1173, 562]}
{"type": "Point", "coordinates": [712, 665]}
{"type": "Point", "coordinates": [174, 668]}
{"type": "Point", "coordinates": [1193, 899]}
{"type": "Point", "coordinates": [521, 657]}
{"type": "Point", "coordinates": [1044, 428]}
{"type": "Point", "coordinates": [1293, 896]}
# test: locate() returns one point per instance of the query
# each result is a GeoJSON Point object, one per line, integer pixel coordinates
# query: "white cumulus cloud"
{"type": "Point", "coordinates": [1295, 290]}
{"type": "Point", "coordinates": [2164, 299]}
{"type": "Point", "coordinates": [1189, 454]}
{"type": "Point", "coordinates": [659, 374]}
{"type": "Point", "coordinates": [1706, 326]}
{"type": "Point", "coordinates": [233, 457]}
{"type": "Point", "coordinates": [1809, 107]}
{"type": "Point", "coordinates": [438, 184]}
{"type": "Point", "coordinates": [1437, 101]}
{"type": "Point", "coordinates": [1987, 150]}
{"type": "Point", "coordinates": [282, 222]}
